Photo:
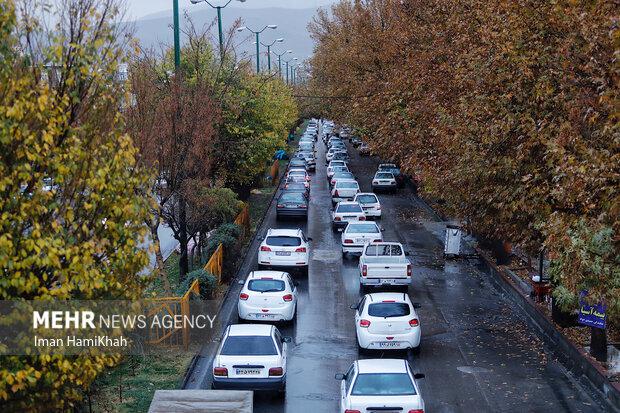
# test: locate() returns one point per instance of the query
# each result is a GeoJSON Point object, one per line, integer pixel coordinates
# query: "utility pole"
{"type": "Point", "coordinates": [177, 37]}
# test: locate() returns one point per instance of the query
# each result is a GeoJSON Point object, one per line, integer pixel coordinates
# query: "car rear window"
{"type": "Point", "coordinates": [367, 199]}
{"type": "Point", "coordinates": [292, 197]}
{"type": "Point", "coordinates": [343, 175]}
{"type": "Point", "coordinates": [383, 384]}
{"type": "Point", "coordinates": [266, 286]}
{"type": "Point", "coordinates": [340, 168]}
{"type": "Point", "coordinates": [346, 184]}
{"type": "Point", "coordinates": [384, 250]}
{"type": "Point", "coordinates": [249, 346]}
{"type": "Point", "coordinates": [384, 175]}
{"type": "Point", "coordinates": [361, 229]}
{"type": "Point", "coordinates": [388, 310]}
{"type": "Point", "coordinates": [349, 208]}
{"type": "Point", "coordinates": [283, 241]}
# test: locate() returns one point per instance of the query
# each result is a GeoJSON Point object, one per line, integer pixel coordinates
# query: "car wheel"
{"type": "Point", "coordinates": [363, 289]}
{"type": "Point", "coordinates": [304, 271]}
{"type": "Point", "coordinates": [416, 350]}
{"type": "Point", "coordinates": [344, 255]}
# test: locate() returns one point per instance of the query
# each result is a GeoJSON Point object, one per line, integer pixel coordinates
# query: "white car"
{"type": "Point", "coordinates": [357, 234]}
{"type": "Point", "coordinates": [331, 170]}
{"type": "Point", "coordinates": [331, 152]}
{"type": "Point", "coordinates": [337, 163]}
{"type": "Point", "coordinates": [345, 190]}
{"type": "Point", "coordinates": [287, 248]}
{"type": "Point", "coordinates": [251, 357]}
{"type": "Point", "coordinates": [380, 385]}
{"type": "Point", "coordinates": [339, 176]}
{"type": "Point", "coordinates": [298, 172]}
{"type": "Point", "coordinates": [387, 321]}
{"type": "Point", "coordinates": [384, 181]}
{"type": "Point", "coordinates": [370, 204]}
{"type": "Point", "coordinates": [268, 296]}
{"type": "Point", "coordinates": [345, 212]}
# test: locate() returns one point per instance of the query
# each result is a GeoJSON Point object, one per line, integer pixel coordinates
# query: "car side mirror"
{"type": "Point", "coordinates": [340, 376]}
{"type": "Point", "coordinates": [353, 306]}
{"type": "Point", "coordinates": [286, 339]}
{"type": "Point", "coordinates": [407, 253]}
{"type": "Point", "coordinates": [417, 305]}
{"type": "Point", "coordinates": [383, 229]}
{"type": "Point", "coordinates": [340, 229]}
{"type": "Point", "coordinates": [419, 376]}
{"type": "Point", "coordinates": [309, 239]}
{"type": "Point", "coordinates": [296, 283]}
{"type": "Point", "coordinates": [241, 282]}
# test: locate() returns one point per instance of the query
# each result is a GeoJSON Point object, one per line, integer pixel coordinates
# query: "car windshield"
{"type": "Point", "coordinates": [388, 310]}
{"type": "Point", "coordinates": [343, 175]}
{"type": "Point", "coordinates": [295, 185]}
{"type": "Point", "coordinates": [283, 241]}
{"type": "Point", "coordinates": [347, 184]}
{"type": "Point", "coordinates": [340, 168]}
{"type": "Point", "coordinates": [266, 286]}
{"type": "Point", "coordinates": [297, 172]}
{"type": "Point", "coordinates": [383, 384]}
{"type": "Point", "coordinates": [296, 178]}
{"type": "Point", "coordinates": [386, 166]}
{"type": "Point", "coordinates": [298, 162]}
{"type": "Point", "coordinates": [249, 346]}
{"type": "Point", "coordinates": [384, 175]}
{"type": "Point", "coordinates": [384, 250]}
{"type": "Point", "coordinates": [366, 199]}
{"type": "Point", "coordinates": [292, 197]}
{"type": "Point", "coordinates": [362, 229]}
{"type": "Point", "coordinates": [349, 208]}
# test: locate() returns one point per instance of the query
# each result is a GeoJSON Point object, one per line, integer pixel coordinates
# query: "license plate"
{"type": "Point", "coordinates": [388, 281]}
{"type": "Point", "coordinates": [384, 182]}
{"type": "Point", "coordinates": [360, 240]}
{"type": "Point", "coordinates": [283, 253]}
{"type": "Point", "coordinates": [389, 344]}
{"type": "Point", "coordinates": [348, 218]}
{"type": "Point", "coordinates": [248, 372]}
{"type": "Point", "coordinates": [265, 316]}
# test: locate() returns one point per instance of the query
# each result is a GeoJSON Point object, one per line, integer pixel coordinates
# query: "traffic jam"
{"type": "Point", "coordinates": [253, 352]}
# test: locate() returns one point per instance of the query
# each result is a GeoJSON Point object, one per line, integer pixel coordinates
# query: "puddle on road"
{"type": "Point", "coordinates": [326, 255]}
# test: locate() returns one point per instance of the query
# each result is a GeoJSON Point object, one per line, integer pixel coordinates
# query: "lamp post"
{"type": "Point", "coordinates": [219, 20]}
{"type": "Point", "coordinates": [268, 46]}
{"type": "Point", "coordinates": [177, 38]}
{"type": "Point", "coordinates": [287, 65]}
{"type": "Point", "coordinates": [280, 60]}
{"type": "Point", "coordinates": [257, 33]}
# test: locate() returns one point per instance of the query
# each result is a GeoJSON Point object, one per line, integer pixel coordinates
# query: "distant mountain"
{"type": "Point", "coordinates": [292, 26]}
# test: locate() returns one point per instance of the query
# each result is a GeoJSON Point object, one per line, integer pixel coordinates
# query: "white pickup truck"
{"type": "Point", "coordinates": [384, 263]}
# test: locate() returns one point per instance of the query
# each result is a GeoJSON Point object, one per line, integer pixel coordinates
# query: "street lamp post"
{"type": "Point", "coordinates": [268, 46]}
{"type": "Point", "coordinates": [219, 20]}
{"type": "Point", "coordinates": [177, 38]}
{"type": "Point", "coordinates": [287, 66]}
{"type": "Point", "coordinates": [257, 33]}
{"type": "Point", "coordinates": [280, 60]}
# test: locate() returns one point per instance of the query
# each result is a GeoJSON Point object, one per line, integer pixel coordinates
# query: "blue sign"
{"type": "Point", "coordinates": [591, 315]}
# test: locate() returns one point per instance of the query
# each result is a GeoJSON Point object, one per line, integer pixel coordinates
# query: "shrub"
{"type": "Point", "coordinates": [207, 281]}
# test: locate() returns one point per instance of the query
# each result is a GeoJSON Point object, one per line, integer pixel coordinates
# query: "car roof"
{"type": "Point", "coordinates": [387, 165]}
{"type": "Point", "coordinates": [270, 274]}
{"type": "Point", "coordinates": [250, 330]}
{"type": "Point", "coordinates": [384, 172]}
{"type": "Point", "coordinates": [343, 203]}
{"type": "Point", "coordinates": [367, 193]}
{"type": "Point", "coordinates": [378, 297]}
{"type": "Point", "coordinates": [346, 181]}
{"type": "Point", "coordinates": [284, 232]}
{"type": "Point", "coordinates": [381, 366]}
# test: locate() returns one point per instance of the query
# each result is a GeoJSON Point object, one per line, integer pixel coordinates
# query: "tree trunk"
{"type": "Point", "coordinates": [183, 260]}
{"type": "Point", "coordinates": [159, 260]}
{"type": "Point", "coordinates": [598, 343]}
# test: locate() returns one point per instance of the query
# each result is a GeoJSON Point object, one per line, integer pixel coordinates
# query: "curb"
{"type": "Point", "coordinates": [575, 359]}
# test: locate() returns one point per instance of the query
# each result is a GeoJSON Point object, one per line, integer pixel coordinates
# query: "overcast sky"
{"type": "Point", "coordinates": [141, 8]}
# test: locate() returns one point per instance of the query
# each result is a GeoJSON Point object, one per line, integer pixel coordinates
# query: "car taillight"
{"type": "Point", "coordinates": [265, 248]}
{"type": "Point", "coordinates": [336, 193]}
{"type": "Point", "coordinates": [416, 411]}
{"type": "Point", "coordinates": [379, 208]}
{"type": "Point", "coordinates": [336, 218]}
{"type": "Point", "coordinates": [351, 411]}
{"type": "Point", "coordinates": [414, 322]}
{"type": "Point", "coordinates": [303, 206]}
{"type": "Point", "coordinates": [243, 296]}
{"type": "Point", "coordinates": [375, 182]}
{"type": "Point", "coordinates": [301, 249]}
{"type": "Point", "coordinates": [348, 241]}
{"type": "Point", "coordinates": [364, 323]}
{"type": "Point", "coordinates": [377, 240]}
{"type": "Point", "coordinates": [276, 371]}
{"type": "Point", "coordinates": [363, 218]}
{"type": "Point", "coordinates": [279, 206]}
{"type": "Point", "coordinates": [364, 270]}
{"type": "Point", "coordinates": [408, 270]}
{"type": "Point", "coordinates": [288, 297]}
{"type": "Point", "coordinates": [220, 371]}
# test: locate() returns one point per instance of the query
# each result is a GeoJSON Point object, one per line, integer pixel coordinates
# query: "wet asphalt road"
{"type": "Point", "coordinates": [477, 351]}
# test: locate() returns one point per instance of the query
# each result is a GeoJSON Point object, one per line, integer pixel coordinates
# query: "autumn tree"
{"type": "Point", "coordinates": [71, 223]}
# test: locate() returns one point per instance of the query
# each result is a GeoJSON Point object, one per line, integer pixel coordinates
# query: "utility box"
{"type": "Point", "coordinates": [452, 246]}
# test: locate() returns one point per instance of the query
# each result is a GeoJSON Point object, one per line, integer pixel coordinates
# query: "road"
{"type": "Point", "coordinates": [477, 351]}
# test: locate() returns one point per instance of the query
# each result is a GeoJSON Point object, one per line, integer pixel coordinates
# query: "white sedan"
{"type": "Point", "coordinates": [284, 248]}
{"type": "Point", "coordinates": [357, 234]}
{"type": "Point", "coordinates": [268, 296]}
{"type": "Point", "coordinates": [380, 385]}
{"type": "Point", "coordinates": [370, 204]}
{"type": "Point", "coordinates": [251, 357]}
{"type": "Point", "coordinates": [387, 321]}
{"type": "Point", "coordinates": [331, 170]}
{"type": "Point", "coordinates": [345, 212]}
{"type": "Point", "coordinates": [344, 190]}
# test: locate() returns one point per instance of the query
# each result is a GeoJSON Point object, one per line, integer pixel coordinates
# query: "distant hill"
{"type": "Point", "coordinates": [292, 24]}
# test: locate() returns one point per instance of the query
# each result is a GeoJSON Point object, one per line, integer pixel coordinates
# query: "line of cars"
{"type": "Point", "coordinates": [252, 355]}
{"type": "Point", "coordinates": [384, 321]}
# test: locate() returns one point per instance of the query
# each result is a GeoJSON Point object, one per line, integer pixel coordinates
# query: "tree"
{"type": "Point", "coordinates": [71, 224]}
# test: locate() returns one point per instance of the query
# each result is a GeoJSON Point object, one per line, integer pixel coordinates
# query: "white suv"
{"type": "Point", "coordinates": [387, 321]}
{"type": "Point", "coordinates": [268, 295]}
{"type": "Point", "coordinates": [370, 204]}
{"type": "Point", "coordinates": [284, 248]}
{"type": "Point", "coordinates": [388, 383]}
{"type": "Point", "coordinates": [357, 234]}
{"type": "Point", "coordinates": [251, 357]}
